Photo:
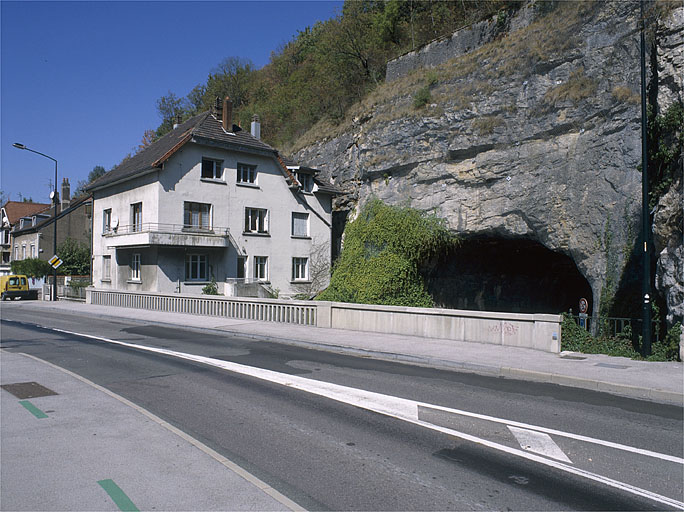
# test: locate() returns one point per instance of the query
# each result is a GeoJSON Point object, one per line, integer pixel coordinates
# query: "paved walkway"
{"type": "Point", "coordinates": [661, 382]}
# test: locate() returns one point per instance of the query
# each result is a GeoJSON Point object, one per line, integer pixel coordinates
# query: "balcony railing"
{"type": "Point", "coordinates": [172, 235]}
{"type": "Point", "coordinates": [154, 227]}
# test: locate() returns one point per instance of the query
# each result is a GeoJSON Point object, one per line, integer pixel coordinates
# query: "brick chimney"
{"type": "Point", "coordinates": [256, 127]}
{"type": "Point", "coordinates": [66, 195]}
{"type": "Point", "coordinates": [227, 114]}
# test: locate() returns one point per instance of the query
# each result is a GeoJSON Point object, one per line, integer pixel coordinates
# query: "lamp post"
{"type": "Point", "coordinates": [53, 196]}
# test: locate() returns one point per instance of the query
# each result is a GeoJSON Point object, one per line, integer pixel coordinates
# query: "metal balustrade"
{"type": "Point", "coordinates": [155, 227]}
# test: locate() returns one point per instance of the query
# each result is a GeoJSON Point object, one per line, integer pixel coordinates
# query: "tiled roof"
{"type": "Point", "coordinates": [201, 126]}
{"type": "Point", "coordinates": [15, 210]}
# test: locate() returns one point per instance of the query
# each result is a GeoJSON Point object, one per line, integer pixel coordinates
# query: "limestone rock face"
{"type": "Point", "coordinates": [669, 217]}
{"type": "Point", "coordinates": [514, 146]}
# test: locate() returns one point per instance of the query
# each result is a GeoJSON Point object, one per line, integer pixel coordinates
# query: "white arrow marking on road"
{"type": "Point", "coordinates": [400, 408]}
{"type": "Point", "coordinates": [538, 442]}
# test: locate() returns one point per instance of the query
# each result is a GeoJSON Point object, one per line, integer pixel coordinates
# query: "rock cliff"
{"type": "Point", "coordinates": [531, 133]}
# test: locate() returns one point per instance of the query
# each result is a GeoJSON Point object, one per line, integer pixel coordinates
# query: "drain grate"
{"type": "Point", "coordinates": [25, 390]}
{"type": "Point", "coordinates": [576, 358]}
{"type": "Point", "coordinates": [615, 366]}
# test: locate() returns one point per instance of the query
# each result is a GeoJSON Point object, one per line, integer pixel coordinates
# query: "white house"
{"type": "Point", "coordinates": [210, 201]}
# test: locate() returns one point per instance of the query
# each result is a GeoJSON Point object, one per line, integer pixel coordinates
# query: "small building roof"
{"type": "Point", "coordinates": [15, 210]}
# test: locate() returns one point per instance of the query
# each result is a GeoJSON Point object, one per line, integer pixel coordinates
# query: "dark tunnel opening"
{"type": "Point", "coordinates": [507, 275]}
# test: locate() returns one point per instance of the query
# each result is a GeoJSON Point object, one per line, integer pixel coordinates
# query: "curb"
{"type": "Point", "coordinates": [624, 390]}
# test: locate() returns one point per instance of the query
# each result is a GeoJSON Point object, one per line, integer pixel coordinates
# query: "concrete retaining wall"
{"type": "Point", "coordinates": [540, 332]}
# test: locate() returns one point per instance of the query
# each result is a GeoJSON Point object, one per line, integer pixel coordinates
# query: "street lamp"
{"type": "Point", "coordinates": [53, 196]}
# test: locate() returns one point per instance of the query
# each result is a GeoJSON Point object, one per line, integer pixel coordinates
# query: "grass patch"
{"type": "Point", "coordinates": [486, 125]}
{"type": "Point", "coordinates": [578, 87]}
{"type": "Point", "coordinates": [624, 94]}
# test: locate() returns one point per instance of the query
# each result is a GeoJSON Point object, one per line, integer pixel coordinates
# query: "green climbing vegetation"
{"type": "Point", "coordinates": [578, 339]}
{"type": "Point", "coordinates": [385, 249]}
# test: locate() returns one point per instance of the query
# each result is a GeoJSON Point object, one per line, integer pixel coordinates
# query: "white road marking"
{"type": "Point", "coordinates": [538, 442]}
{"type": "Point", "coordinates": [403, 409]}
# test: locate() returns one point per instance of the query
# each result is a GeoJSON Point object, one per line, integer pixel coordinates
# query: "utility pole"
{"type": "Point", "coordinates": [645, 213]}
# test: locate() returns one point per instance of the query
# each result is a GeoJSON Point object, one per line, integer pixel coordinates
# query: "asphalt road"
{"type": "Point", "coordinates": [329, 455]}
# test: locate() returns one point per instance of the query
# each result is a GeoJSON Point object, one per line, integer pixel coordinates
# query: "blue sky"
{"type": "Point", "coordinates": [79, 80]}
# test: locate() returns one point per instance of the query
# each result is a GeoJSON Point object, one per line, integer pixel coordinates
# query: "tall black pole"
{"type": "Point", "coordinates": [645, 213]}
{"type": "Point", "coordinates": [55, 200]}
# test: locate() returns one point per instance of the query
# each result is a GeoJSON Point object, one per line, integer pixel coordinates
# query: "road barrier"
{"type": "Point", "coordinates": [536, 331]}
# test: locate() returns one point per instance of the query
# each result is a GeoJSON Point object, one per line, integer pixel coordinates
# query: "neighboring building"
{"type": "Point", "coordinates": [33, 237]}
{"type": "Point", "coordinates": [16, 214]}
{"type": "Point", "coordinates": [209, 200]}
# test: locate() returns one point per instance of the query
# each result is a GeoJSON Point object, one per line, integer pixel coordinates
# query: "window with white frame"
{"type": "Point", "coordinates": [5, 237]}
{"type": "Point", "coordinates": [306, 181]}
{"type": "Point", "coordinates": [136, 217]}
{"type": "Point", "coordinates": [300, 269]}
{"type": "Point", "coordinates": [135, 266]}
{"type": "Point", "coordinates": [212, 169]}
{"type": "Point", "coordinates": [241, 270]}
{"type": "Point", "coordinates": [16, 252]}
{"type": "Point", "coordinates": [197, 215]}
{"type": "Point", "coordinates": [300, 224]}
{"type": "Point", "coordinates": [195, 267]}
{"type": "Point", "coordinates": [261, 268]}
{"type": "Point", "coordinates": [106, 268]}
{"type": "Point", "coordinates": [246, 174]}
{"type": "Point", "coordinates": [33, 250]}
{"type": "Point", "coordinates": [107, 220]}
{"type": "Point", "coordinates": [256, 220]}
{"type": "Point", "coordinates": [23, 251]}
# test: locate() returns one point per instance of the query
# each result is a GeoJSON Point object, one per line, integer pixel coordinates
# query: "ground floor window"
{"type": "Point", "coordinates": [300, 269]}
{"type": "Point", "coordinates": [135, 267]}
{"type": "Point", "coordinates": [196, 267]}
{"type": "Point", "coordinates": [261, 268]}
{"type": "Point", "coordinates": [106, 268]}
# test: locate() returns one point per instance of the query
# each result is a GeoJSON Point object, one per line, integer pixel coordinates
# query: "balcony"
{"type": "Point", "coordinates": [169, 235]}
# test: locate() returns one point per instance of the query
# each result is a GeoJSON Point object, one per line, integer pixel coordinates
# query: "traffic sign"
{"type": "Point", "coordinates": [55, 262]}
{"type": "Point", "coordinates": [583, 305]}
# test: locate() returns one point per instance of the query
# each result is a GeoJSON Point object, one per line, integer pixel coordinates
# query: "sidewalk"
{"type": "Point", "coordinates": [85, 448]}
{"type": "Point", "coordinates": [660, 382]}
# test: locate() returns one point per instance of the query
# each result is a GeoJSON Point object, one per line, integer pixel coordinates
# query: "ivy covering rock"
{"type": "Point", "coordinates": [384, 251]}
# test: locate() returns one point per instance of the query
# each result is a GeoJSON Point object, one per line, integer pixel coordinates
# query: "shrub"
{"type": "Point", "coordinates": [384, 249]}
{"type": "Point", "coordinates": [422, 97]}
{"type": "Point", "coordinates": [31, 267]}
{"type": "Point", "coordinates": [211, 288]}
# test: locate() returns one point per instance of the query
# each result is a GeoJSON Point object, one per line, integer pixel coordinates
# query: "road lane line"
{"type": "Point", "coordinates": [538, 442]}
{"type": "Point", "coordinates": [118, 496]}
{"type": "Point", "coordinates": [400, 408]}
{"type": "Point", "coordinates": [33, 409]}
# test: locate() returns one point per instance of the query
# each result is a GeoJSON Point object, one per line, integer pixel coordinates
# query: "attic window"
{"type": "Point", "coordinates": [212, 169]}
{"type": "Point", "coordinates": [306, 181]}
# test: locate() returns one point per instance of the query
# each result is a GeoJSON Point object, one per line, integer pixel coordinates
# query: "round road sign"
{"type": "Point", "coordinates": [583, 305]}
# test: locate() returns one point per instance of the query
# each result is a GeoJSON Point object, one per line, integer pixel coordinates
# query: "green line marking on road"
{"type": "Point", "coordinates": [118, 496]}
{"type": "Point", "coordinates": [33, 409]}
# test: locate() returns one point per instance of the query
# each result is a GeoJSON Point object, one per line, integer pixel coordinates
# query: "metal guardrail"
{"type": "Point", "coordinates": [155, 227]}
{"type": "Point", "coordinates": [614, 326]}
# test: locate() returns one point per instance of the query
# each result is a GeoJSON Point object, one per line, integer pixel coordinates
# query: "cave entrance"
{"type": "Point", "coordinates": [507, 275]}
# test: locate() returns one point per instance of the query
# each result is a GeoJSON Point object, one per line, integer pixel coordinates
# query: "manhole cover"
{"type": "Point", "coordinates": [25, 390]}
{"type": "Point", "coordinates": [615, 366]}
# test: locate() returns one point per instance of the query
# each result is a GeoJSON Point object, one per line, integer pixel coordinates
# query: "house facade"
{"type": "Point", "coordinates": [33, 236]}
{"type": "Point", "coordinates": [206, 202]}
{"type": "Point", "coordinates": [17, 215]}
